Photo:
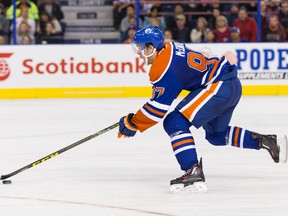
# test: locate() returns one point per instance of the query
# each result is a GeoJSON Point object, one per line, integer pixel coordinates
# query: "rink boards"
{"type": "Point", "coordinates": [91, 71]}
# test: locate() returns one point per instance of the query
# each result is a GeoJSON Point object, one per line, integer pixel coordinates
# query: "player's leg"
{"type": "Point", "coordinates": [203, 105]}
{"type": "Point", "coordinates": [212, 108]}
{"type": "Point", "coordinates": [242, 138]}
{"type": "Point", "coordinates": [218, 133]}
{"type": "Point", "coordinates": [192, 110]}
{"type": "Point", "coordinates": [182, 141]}
{"type": "Point", "coordinates": [217, 113]}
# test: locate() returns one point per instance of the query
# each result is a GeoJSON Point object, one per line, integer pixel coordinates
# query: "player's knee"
{"type": "Point", "coordinates": [175, 122]}
{"type": "Point", "coordinates": [217, 139]}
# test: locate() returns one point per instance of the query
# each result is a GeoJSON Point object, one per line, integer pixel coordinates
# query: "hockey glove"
{"type": "Point", "coordinates": [126, 127]}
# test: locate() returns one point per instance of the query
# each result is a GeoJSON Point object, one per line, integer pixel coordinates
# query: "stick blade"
{"type": "Point", "coordinates": [3, 177]}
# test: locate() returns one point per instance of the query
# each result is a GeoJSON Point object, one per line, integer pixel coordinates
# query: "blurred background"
{"type": "Point", "coordinates": [108, 21]}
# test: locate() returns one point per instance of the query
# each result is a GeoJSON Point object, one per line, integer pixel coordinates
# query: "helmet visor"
{"type": "Point", "coordinates": [137, 48]}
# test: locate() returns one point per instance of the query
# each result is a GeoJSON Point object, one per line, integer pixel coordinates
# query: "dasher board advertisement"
{"type": "Point", "coordinates": [115, 68]}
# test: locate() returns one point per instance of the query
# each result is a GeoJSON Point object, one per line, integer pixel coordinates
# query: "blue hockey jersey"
{"type": "Point", "coordinates": [178, 68]}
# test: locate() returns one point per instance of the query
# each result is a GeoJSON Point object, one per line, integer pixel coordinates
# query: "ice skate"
{"type": "Point", "coordinates": [192, 181]}
{"type": "Point", "coordinates": [276, 148]}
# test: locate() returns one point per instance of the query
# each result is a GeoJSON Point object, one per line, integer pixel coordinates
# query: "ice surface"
{"type": "Point", "coordinates": [111, 176]}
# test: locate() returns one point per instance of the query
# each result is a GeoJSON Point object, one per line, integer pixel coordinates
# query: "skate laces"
{"type": "Point", "coordinates": [188, 172]}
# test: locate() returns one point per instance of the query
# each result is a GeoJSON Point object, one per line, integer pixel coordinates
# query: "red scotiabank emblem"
{"type": "Point", "coordinates": [4, 67]}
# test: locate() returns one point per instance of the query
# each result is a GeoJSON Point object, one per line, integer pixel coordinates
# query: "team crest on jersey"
{"type": "Point", "coordinates": [157, 92]}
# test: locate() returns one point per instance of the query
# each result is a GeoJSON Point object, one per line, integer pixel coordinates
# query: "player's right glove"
{"type": "Point", "coordinates": [126, 126]}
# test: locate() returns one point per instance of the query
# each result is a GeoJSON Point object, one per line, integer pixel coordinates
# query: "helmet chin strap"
{"type": "Point", "coordinates": [147, 56]}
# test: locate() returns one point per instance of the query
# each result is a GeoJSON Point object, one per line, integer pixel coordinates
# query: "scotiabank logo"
{"type": "Point", "coordinates": [72, 66]}
{"type": "Point", "coordinates": [4, 67]}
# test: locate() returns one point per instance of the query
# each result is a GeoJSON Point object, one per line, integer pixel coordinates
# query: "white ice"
{"type": "Point", "coordinates": [111, 176]}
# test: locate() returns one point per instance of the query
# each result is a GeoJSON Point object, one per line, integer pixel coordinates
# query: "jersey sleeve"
{"type": "Point", "coordinates": [149, 115]}
{"type": "Point", "coordinates": [156, 108]}
{"type": "Point", "coordinates": [166, 87]}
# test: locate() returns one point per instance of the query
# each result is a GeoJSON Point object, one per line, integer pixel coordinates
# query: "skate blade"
{"type": "Point", "coordinates": [283, 144]}
{"type": "Point", "coordinates": [197, 187]}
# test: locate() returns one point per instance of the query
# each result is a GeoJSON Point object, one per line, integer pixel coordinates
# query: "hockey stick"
{"type": "Point", "coordinates": [56, 153]}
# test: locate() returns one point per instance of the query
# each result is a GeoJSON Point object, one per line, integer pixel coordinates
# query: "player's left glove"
{"type": "Point", "coordinates": [126, 126]}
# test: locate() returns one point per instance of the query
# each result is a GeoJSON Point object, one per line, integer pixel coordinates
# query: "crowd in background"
{"type": "Point", "coordinates": [198, 21]}
{"type": "Point", "coordinates": [36, 22]}
{"type": "Point", "coordinates": [203, 21]}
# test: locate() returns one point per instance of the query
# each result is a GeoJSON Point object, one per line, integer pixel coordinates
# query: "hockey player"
{"type": "Point", "coordinates": [215, 91]}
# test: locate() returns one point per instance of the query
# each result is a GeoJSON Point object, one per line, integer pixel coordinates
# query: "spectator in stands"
{"type": "Point", "coordinates": [171, 20]}
{"type": "Point", "coordinates": [131, 33]}
{"type": "Point", "coordinates": [235, 36]}
{"type": "Point", "coordinates": [155, 22]}
{"type": "Point", "coordinates": [197, 34]}
{"type": "Point", "coordinates": [124, 35]}
{"type": "Point", "coordinates": [119, 11]}
{"type": "Point", "coordinates": [50, 36]}
{"type": "Point", "coordinates": [233, 14]}
{"type": "Point", "coordinates": [44, 19]}
{"type": "Point", "coordinates": [26, 40]}
{"type": "Point", "coordinates": [130, 13]}
{"type": "Point", "coordinates": [4, 23]}
{"type": "Point", "coordinates": [147, 6]}
{"type": "Point", "coordinates": [247, 25]}
{"type": "Point", "coordinates": [24, 17]}
{"type": "Point", "coordinates": [33, 12]}
{"type": "Point", "coordinates": [2, 40]}
{"type": "Point", "coordinates": [168, 37]}
{"type": "Point", "coordinates": [283, 16]}
{"type": "Point", "coordinates": [53, 9]}
{"type": "Point", "coordinates": [154, 17]}
{"type": "Point", "coordinates": [23, 30]}
{"type": "Point", "coordinates": [192, 18]}
{"type": "Point", "coordinates": [263, 13]}
{"type": "Point", "coordinates": [274, 31]}
{"type": "Point", "coordinates": [273, 7]}
{"type": "Point", "coordinates": [222, 31]}
{"type": "Point", "coordinates": [212, 18]}
{"type": "Point", "coordinates": [205, 8]}
{"type": "Point", "coordinates": [181, 33]}
{"type": "Point", "coordinates": [210, 36]}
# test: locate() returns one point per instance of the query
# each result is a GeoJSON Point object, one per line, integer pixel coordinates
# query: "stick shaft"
{"type": "Point", "coordinates": [60, 151]}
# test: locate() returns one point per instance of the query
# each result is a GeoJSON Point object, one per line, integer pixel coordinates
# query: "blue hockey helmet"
{"type": "Point", "coordinates": [149, 34]}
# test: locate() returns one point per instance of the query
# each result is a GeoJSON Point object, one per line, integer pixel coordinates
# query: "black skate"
{"type": "Point", "coordinates": [193, 180]}
{"type": "Point", "coordinates": [268, 142]}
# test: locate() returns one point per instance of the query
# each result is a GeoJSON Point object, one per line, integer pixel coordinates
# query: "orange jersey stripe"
{"type": "Point", "coordinates": [161, 63]}
{"type": "Point", "coordinates": [182, 142]}
{"type": "Point", "coordinates": [236, 136]}
{"type": "Point", "coordinates": [215, 66]}
{"type": "Point", "coordinates": [142, 121]}
{"type": "Point", "coordinates": [154, 111]}
{"type": "Point", "coordinates": [189, 111]}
